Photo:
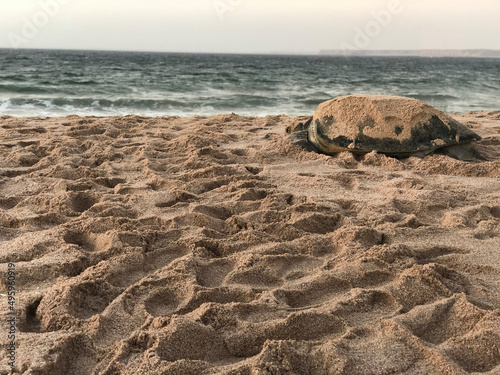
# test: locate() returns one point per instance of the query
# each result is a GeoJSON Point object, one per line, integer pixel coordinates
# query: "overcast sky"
{"type": "Point", "coordinates": [249, 26]}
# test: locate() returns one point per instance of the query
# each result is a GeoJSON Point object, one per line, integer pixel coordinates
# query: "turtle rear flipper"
{"type": "Point", "coordinates": [464, 152]}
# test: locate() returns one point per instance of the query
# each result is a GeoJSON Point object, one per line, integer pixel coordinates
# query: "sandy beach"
{"type": "Point", "coordinates": [212, 245]}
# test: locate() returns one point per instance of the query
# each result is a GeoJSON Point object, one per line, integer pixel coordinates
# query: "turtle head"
{"type": "Point", "coordinates": [298, 126]}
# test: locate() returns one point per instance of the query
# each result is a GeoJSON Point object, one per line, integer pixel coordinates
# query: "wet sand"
{"type": "Point", "coordinates": [215, 246]}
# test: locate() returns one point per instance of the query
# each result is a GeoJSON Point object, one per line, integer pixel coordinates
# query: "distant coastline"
{"type": "Point", "coordinates": [477, 53]}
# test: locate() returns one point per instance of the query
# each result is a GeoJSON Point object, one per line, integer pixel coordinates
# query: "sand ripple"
{"type": "Point", "coordinates": [214, 246]}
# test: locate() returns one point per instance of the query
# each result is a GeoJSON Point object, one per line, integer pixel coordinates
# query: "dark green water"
{"type": "Point", "coordinates": [55, 83]}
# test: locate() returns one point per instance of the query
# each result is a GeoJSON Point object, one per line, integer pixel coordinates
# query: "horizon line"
{"type": "Point", "coordinates": [289, 53]}
{"type": "Point", "coordinates": [320, 52]}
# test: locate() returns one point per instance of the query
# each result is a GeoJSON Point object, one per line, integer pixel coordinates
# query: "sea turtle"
{"type": "Point", "coordinates": [392, 125]}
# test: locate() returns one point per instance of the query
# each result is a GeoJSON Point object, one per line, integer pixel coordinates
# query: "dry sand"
{"type": "Point", "coordinates": [214, 246]}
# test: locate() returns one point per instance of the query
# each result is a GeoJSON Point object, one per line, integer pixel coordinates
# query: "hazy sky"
{"type": "Point", "coordinates": [249, 26]}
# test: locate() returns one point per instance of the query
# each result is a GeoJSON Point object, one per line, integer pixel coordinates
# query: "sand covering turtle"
{"type": "Point", "coordinates": [393, 125]}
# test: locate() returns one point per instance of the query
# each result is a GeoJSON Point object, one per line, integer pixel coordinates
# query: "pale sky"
{"type": "Point", "coordinates": [249, 26]}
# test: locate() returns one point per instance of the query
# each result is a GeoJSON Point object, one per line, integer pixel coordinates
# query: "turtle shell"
{"type": "Point", "coordinates": [387, 124]}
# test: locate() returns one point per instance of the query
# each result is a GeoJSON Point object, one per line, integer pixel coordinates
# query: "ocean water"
{"type": "Point", "coordinates": [58, 83]}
